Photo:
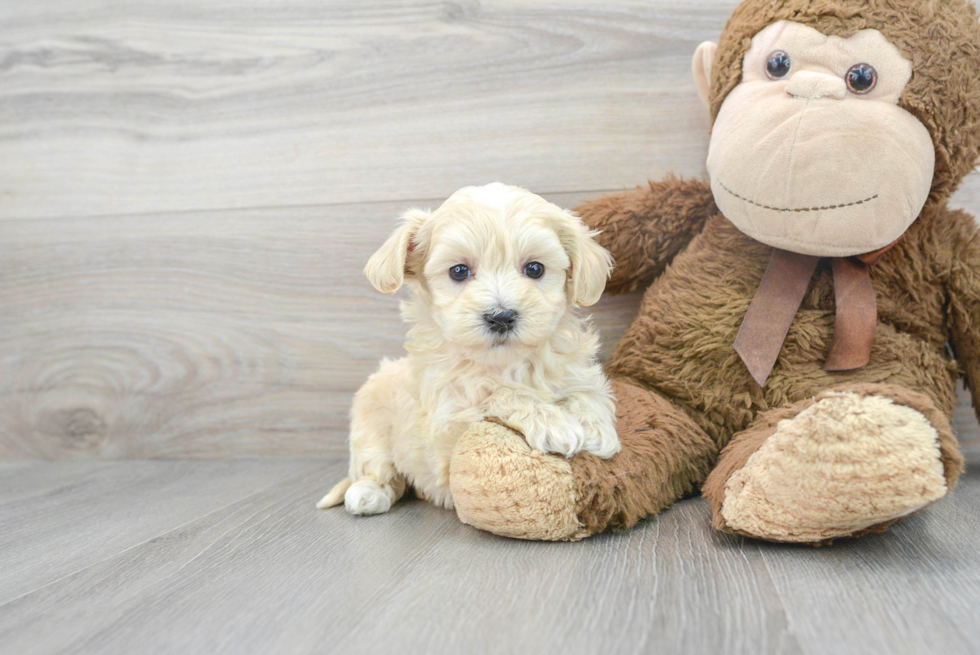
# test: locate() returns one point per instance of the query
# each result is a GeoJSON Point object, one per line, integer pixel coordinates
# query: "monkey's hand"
{"type": "Point", "coordinates": [646, 227]}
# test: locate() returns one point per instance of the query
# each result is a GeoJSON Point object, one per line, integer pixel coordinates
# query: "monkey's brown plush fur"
{"type": "Point", "coordinates": [684, 394]}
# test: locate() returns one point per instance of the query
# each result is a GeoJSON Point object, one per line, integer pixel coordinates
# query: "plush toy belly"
{"type": "Point", "coordinates": [683, 345]}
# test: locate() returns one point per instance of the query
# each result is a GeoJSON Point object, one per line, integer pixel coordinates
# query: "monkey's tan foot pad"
{"type": "Point", "coordinates": [502, 486]}
{"type": "Point", "coordinates": [846, 465]}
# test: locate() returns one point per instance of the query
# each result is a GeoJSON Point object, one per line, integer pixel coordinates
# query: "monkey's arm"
{"type": "Point", "coordinates": [646, 227]}
{"type": "Point", "coordinates": [964, 301]}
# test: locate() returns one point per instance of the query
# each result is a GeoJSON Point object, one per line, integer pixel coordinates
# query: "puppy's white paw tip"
{"type": "Point", "coordinates": [606, 450]}
{"type": "Point", "coordinates": [550, 443]}
{"type": "Point", "coordinates": [602, 440]}
{"type": "Point", "coordinates": [366, 499]}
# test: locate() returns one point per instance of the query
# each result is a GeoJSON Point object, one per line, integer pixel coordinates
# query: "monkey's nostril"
{"type": "Point", "coordinates": [501, 322]}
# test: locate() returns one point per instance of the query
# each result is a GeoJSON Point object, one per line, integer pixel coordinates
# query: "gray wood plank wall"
{"type": "Point", "coordinates": [188, 193]}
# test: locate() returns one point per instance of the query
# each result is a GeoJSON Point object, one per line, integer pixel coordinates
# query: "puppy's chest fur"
{"type": "Point", "coordinates": [449, 397]}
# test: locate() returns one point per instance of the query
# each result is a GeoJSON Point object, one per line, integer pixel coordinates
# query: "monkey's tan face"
{"type": "Point", "coordinates": [811, 152]}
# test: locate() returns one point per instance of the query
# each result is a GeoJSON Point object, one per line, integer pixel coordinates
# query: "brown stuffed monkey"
{"type": "Point", "coordinates": [806, 314]}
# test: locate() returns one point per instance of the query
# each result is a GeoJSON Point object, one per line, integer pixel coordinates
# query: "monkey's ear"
{"type": "Point", "coordinates": [387, 268]}
{"type": "Point", "coordinates": [704, 57]}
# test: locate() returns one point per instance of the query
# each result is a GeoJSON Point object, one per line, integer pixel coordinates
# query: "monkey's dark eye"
{"type": "Point", "coordinates": [778, 65]}
{"type": "Point", "coordinates": [534, 270]}
{"type": "Point", "coordinates": [861, 78]}
{"type": "Point", "coordinates": [459, 272]}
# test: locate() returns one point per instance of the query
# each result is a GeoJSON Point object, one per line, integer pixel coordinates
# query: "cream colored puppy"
{"type": "Point", "coordinates": [495, 273]}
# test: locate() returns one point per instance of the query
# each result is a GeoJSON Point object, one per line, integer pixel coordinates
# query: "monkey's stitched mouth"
{"type": "Point", "coordinates": [801, 209]}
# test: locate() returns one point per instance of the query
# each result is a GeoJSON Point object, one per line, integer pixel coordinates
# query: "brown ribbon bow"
{"type": "Point", "coordinates": [779, 297]}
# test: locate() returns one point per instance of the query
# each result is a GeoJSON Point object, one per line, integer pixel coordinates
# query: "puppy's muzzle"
{"type": "Point", "coordinates": [501, 322]}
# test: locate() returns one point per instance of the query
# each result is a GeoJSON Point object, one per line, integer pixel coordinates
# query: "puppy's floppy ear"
{"type": "Point", "coordinates": [591, 263]}
{"type": "Point", "coordinates": [387, 268]}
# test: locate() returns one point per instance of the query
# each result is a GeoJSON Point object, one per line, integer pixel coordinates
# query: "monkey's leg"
{"type": "Point", "coordinates": [500, 485]}
{"type": "Point", "coordinates": [848, 462]}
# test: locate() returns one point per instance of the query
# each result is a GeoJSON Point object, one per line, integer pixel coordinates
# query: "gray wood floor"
{"type": "Point", "coordinates": [230, 556]}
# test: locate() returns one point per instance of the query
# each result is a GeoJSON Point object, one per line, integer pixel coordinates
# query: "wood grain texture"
{"type": "Point", "coordinates": [197, 335]}
{"type": "Point", "coordinates": [267, 573]}
{"type": "Point", "coordinates": [67, 516]}
{"type": "Point", "coordinates": [117, 107]}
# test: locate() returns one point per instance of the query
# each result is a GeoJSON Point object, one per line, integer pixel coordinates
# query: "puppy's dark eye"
{"type": "Point", "coordinates": [459, 272]}
{"type": "Point", "coordinates": [778, 65]}
{"type": "Point", "coordinates": [534, 270]}
{"type": "Point", "coordinates": [861, 78]}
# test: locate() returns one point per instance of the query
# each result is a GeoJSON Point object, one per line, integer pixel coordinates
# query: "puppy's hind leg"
{"type": "Point", "coordinates": [373, 484]}
{"type": "Point", "coordinates": [364, 498]}
{"type": "Point", "coordinates": [367, 497]}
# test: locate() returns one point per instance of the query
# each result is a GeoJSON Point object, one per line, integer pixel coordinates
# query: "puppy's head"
{"type": "Point", "coordinates": [496, 265]}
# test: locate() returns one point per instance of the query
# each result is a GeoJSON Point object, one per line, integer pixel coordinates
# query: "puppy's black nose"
{"type": "Point", "coordinates": [501, 322]}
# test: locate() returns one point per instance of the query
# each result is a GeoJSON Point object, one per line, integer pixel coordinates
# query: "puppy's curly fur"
{"type": "Point", "coordinates": [490, 338]}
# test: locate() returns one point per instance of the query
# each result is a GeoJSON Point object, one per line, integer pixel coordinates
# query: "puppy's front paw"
{"type": "Point", "coordinates": [601, 438]}
{"type": "Point", "coordinates": [366, 498]}
{"type": "Point", "coordinates": [549, 429]}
